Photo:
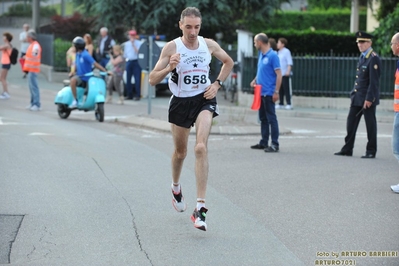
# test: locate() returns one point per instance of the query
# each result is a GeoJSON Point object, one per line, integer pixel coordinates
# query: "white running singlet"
{"type": "Point", "coordinates": [193, 69]}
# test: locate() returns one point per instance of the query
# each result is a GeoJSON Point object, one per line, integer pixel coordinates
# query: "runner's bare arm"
{"type": "Point", "coordinates": [166, 63]}
{"type": "Point", "coordinates": [221, 54]}
{"type": "Point", "coordinates": [228, 63]}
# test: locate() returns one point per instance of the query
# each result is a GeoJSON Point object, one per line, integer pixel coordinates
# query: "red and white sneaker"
{"type": "Point", "coordinates": [198, 218]}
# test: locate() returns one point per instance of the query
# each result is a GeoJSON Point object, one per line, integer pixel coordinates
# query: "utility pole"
{"type": "Point", "coordinates": [354, 27]}
{"type": "Point", "coordinates": [35, 15]}
{"type": "Point", "coordinates": [62, 8]}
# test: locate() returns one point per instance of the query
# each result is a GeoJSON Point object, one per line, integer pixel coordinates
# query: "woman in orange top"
{"type": "Point", "coordinates": [5, 49]}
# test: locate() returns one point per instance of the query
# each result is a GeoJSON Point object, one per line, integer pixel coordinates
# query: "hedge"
{"type": "Point", "coordinates": [313, 42]}
{"type": "Point", "coordinates": [320, 20]}
{"type": "Point", "coordinates": [60, 49]}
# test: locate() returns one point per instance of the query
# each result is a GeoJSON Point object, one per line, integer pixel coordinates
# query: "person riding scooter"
{"type": "Point", "coordinates": [83, 65]}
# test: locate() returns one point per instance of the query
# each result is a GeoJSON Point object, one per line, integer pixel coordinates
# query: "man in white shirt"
{"type": "Point", "coordinates": [130, 53]}
{"type": "Point", "coordinates": [286, 64]}
{"type": "Point", "coordinates": [193, 102]}
{"type": "Point", "coordinates": [24, 42]}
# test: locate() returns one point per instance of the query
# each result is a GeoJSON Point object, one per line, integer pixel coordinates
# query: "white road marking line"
{"type": "Point", "coordinates": [39, 134]}
{"type": "Point", "coordinates": [302, 131]}
{"type": "Point", "coordinates": [2, 123]}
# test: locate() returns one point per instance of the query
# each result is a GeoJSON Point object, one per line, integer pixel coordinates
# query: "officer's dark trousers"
{"type": "Point", "coordinates": [285, 90]}
{"type": "Point", "coordinates": [352, 123]}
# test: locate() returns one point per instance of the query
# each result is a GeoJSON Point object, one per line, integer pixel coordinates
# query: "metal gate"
{"type": "Point", "coordinates": [46, 42]}
{"type": "Point", "coordinates": [325, 75]}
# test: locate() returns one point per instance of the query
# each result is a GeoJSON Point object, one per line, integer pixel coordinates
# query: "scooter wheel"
{"type": "Point", "coordinates": [63, 111]}
{"type": "Point", "coordinates": [100, 112]}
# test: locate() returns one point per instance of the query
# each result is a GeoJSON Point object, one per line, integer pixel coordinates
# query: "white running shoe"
{"type": "Point", "coordinates": [288, 107]}
{"type": "Point", "coordinates": [395, 188]}
{"type": "Point", "coordinates": [278, 106]}
{"type": "Point", "coordinates": [74, 104]}
{"type": "Point", "coordinates": [35, 108]}
{"type": "Point", "coordinates": [178, 201]}
{"type": "Point", "coordinates": [4, 96]}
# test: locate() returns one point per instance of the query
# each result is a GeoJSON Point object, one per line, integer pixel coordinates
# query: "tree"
{"type": "Point", "coordinates": [383, 34]}
{"type": "Point", "coordinates": [161, 17]}
{"type": "Point", "coordinates": [386, 7]}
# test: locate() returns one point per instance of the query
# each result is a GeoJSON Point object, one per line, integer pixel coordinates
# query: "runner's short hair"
{"type": "Point", "coordinates": [190, 11]}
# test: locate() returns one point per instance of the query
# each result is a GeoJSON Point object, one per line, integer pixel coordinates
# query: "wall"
{"type": "Point", "coordinates": [17, 22]}
{"type": "Point", "coordinates": [372, 22]}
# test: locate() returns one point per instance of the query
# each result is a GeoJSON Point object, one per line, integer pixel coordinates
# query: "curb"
{"type": "Point", "coordinates": [164, 126]}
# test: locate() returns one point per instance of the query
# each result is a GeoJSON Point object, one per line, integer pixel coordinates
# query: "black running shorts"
{"type": "Point", "coordinates": [184, 111]}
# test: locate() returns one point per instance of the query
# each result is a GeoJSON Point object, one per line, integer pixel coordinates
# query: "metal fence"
{"type": "Point", "coordinates": [325, 75]}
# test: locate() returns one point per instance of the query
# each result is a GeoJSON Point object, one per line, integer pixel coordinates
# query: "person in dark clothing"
{"type": "Point", "coordinates": [365, 96]}
{"type": "Point", "coordinates": [104, 46]}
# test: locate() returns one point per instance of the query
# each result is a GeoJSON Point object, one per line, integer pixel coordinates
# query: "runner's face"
{"type": "Point", "coordinates": [190, 27]}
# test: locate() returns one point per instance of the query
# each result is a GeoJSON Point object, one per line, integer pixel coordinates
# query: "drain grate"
{"type": "Point", "coordinates": [9, 227]}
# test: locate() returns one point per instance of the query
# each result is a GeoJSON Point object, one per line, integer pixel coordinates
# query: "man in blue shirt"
{"type": "Point", "coordinates": [84, 64]}
{"type": "Point", "coordinates": [269, 77]}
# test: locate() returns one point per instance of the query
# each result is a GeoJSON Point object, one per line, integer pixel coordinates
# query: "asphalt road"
{"type": "Point", "coordinates": [80, 192]}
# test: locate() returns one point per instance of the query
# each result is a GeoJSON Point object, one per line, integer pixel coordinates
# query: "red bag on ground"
{"type": "Point", "coordinates": [257, 98]}
{"type": "Point", "coordinates": [22, 62]}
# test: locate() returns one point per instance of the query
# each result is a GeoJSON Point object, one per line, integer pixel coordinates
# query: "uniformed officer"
{"type": "Point", "coordinates": [365, 97]}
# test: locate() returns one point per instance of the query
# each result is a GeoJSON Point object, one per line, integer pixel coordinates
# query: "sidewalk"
{"type": "Point", "coordinates": [233, 119]}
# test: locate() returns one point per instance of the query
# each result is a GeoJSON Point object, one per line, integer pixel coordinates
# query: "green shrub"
{"type": "Point", "coordinates": [338, 20]}
{"type": "Point", "coordinates": [332, 19]}
{"type": "Point", "coordinates": [60, 49]}
{"type": "Point", "coordinates": [72, 26]}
